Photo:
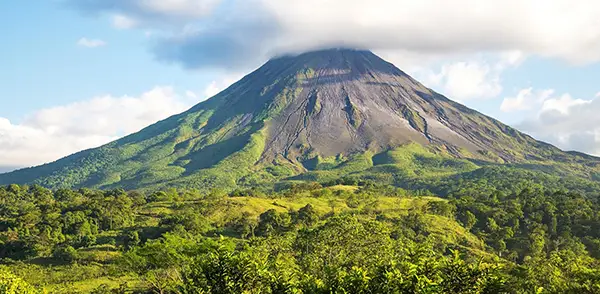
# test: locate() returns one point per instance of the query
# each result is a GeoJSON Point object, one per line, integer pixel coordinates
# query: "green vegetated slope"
{"type": "Point", "coordinates": [303, 239]}
{"type": "Point", "coordinates": [318, 116]}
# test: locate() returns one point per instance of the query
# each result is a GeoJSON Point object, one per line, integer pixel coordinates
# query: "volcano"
{"type": "Point", "coordinates": [313, 116]}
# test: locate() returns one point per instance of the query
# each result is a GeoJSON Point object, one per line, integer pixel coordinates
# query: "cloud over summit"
{"type": "Point", "coordinates": [248, 31]}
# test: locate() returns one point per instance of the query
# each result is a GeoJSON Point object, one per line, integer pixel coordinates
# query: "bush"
{"type": "Point", "coordinates": [66, 254]}
{"type": "Point", "coordinates": [84, 241]}
{"type": "Point", "coordinates": [11, 284]}
{"type": "Point", "coordinates": [192, 221]}
{"type": "Point", "coordinates": [442, 208]}
{"type": "Point", "coordinates": [307, 215]}
{"type": "Point", "coordinates": [159, 196]}
{"type": "Point", "coordinates": [271, 222]}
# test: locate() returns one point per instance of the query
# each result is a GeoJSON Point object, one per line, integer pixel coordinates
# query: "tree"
{"type": "Point", "coordinates": [341, 242]}
{"type": "Point", "coordinates": [137, 197]}
{"type": "Point", "coordinates": [307, 215]}
{"type": "Point", "coordinates": [83, 241]}
{"type": "Point", "coordinates": [66, 254]}
{"type": "Point", "coordinates": [442, 208]}
{"type": "Point", "coordinates": [131, 239]}
{"type": "Point", "coordinates": [245, 225]}
{"type": "Point", "coordinates": [224, 271]}
{"type": "Point", "coordinates": [332, 204]}
{"type": "Point", "coordinates": [468, 219]}
{"type": "Point", "coordinates": [192, 221]}
{"type": "Point", "coordinates": [271, 222]}
{"type": "Point", "coordinates": [159, 196]}
{"type": "Point", "coordinates": [11, 284]}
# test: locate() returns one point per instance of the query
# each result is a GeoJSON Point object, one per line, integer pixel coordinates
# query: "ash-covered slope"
{"type": "Point", "coordinates": [351, 101]}
{"type": "Point", "coordinates": [292, 115]}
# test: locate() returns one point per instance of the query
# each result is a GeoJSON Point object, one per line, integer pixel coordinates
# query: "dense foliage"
{"type": "Point", "coordinates": [303, 239]}
{"type": "Point", "coordinates": [11, 284]}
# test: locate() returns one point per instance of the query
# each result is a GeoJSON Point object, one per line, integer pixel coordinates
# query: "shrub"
{"type": "Point", "coordinates": [66, 254]}
{"type": "Point", "coordinates": [11, 284]}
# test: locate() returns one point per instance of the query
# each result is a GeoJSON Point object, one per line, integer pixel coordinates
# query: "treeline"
{"type": "Point", "coordinates": [344, 254]}
{"type": "Point", "coordinates": [35, 221]}
{"type": "Point", "coordinates": [361, 239]}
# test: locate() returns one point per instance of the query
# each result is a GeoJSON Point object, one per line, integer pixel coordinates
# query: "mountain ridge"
{"type": "Point", "coordinates": [328, 106]}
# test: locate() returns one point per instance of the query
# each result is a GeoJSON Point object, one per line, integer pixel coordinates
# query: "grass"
{"type": "Point", "coordinates": [87, 286]}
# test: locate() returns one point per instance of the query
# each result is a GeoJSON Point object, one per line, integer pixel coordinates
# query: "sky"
{"type": "Point", "coordinates": [76, 74]}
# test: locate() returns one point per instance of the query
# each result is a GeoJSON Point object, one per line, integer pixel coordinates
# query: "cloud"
{"type": "Point", "coordinates": [564, 104]}
{"type": "Point", "coordinates": [526, 99]}
{"type": "Point", "coordinates": [52, 133]}
{"type": "Point", "coordinates": [232, 43]}
{"type": "Point", "coordinates": [569, 123]}
{"type": "Point", "coordinates": [90, 43]}
{"type": "Point", "coordinates": [468, 80]}
{"type": "Point", "coordinates": [191, 94]}
{"type": "Point", "coordinates": [161, 10]}
{"type": "Point", "coordinates": [215, 87]}
{"type": "Point", "coordinates": [212, 89]}
{"type": "Point", "coordinates": [475, 78]}
{"type": "Point", "coordinates": [257, 29]}
{"type": "Point", "coordinates": [123, 22]}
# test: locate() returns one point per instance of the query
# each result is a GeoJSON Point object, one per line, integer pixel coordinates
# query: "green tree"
{"type": "Point", "coordinates": [11, 284]}
{"type": "Point", "coordinates": [468, 219]}
{"type": "Point", "coordinates": [191, 220]}
{"type": "Point", "coordinates": [245, 225]}
{"type": "Point", "coordinates": [307, 215]}
{"type": "Point", "coordinates": [442, 208]}
{"type": "Point", "coordinates": [132, 239]}
{"type": "Point", "coordinates": [223, 271]}
{"type": "Point", "coordinates": [272, 222]}
{"type": "Point", "coordinates": [66, 254]}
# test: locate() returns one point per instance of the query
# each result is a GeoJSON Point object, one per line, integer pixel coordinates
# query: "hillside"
{"type": "Point", "coordinates": [320, 116]}
{"type": "Point", "coordinates": [305, 239]}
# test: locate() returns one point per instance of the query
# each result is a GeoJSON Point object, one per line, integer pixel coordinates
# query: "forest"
{"type": "Point", "coordinates": [304, 237]}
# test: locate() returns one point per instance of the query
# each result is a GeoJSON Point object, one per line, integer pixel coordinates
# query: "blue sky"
{"type": "Point", "coordinates": [44, 67]}
{"type": "Point", "coordinates": [78, 73]}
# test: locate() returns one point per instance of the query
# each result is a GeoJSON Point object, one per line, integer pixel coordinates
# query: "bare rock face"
{"type": "Point", "coordinates": [345, 101]}
{"type": "Point", "coordinates": [336, 102]}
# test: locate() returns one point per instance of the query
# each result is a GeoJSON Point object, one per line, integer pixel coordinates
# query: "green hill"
{"type": "Point", "coordinates": [303, 239]}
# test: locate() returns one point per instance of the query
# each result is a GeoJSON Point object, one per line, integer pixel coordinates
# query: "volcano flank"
{"type": "Point", "coordinates": [315, 116]}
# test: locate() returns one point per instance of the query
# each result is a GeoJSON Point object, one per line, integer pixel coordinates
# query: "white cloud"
{"type": "Point", "coordinates": [248, 31]}
{"type": "Point", "coordinates": [215, 87]}
{"type": "Point", "coordinates": [182, 8]}
{"type": "Point", "coordinates": [551, 28]}
{"type": "Point", "coordinates": [163, 10]}
{"type": "Point", "coordinates": [191, 94]}
{"type": "Point", "coordinates": [52, 133]}
{"type": "Point", "coordinates": [569, 123]}
{"type": "Point", "coordinates": [211, 90]}
{"type": "Point", "coordinates": [123, 22]}
{"type": "Point", "coordinates": [563, 104]}
{"type": "Point", "coordinates": [470, 80]}
{"type": "Point", "coordinates": [90, 43]}
{"type": "Point", "coordinates": [510, 58]}
{"type": "Point", "coordinates": [526, 99]}
{"type": "Point", "coordinates": [476, 78]}
{"type": "Point", "coordinates": [22, 145]}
